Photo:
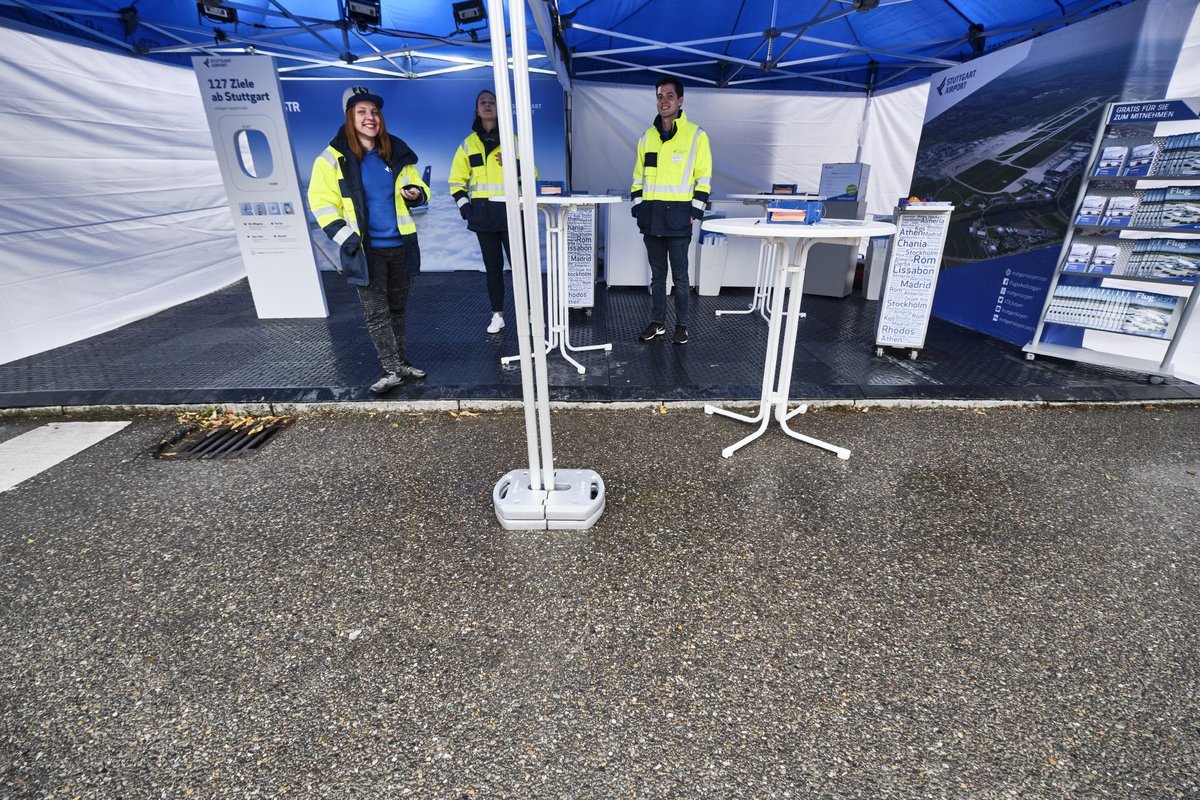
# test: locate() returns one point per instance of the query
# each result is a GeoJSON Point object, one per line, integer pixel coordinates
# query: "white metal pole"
{"type": "Point", "coordinates": [520, 69]}
{"type": "Point", "coordinates": [500, 76]}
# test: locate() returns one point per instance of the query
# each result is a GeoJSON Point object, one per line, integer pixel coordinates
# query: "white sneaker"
{"type": "Point", "coordinates": [496, 324]}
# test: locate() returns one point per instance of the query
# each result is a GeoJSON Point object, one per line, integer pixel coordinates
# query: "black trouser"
{"type": "Point", "coordinates": [383, 302]}
{"type": "Point", "coordinates": [658, 250]}
{"type": "Point", "coordinates": [493, 245]}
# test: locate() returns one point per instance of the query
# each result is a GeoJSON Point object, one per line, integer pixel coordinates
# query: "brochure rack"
{"type": "Point", "coordinates": [1126, 282]}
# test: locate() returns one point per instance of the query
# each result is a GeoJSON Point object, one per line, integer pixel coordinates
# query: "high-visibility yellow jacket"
{"type": "Point", "coordinates": [476, 175]}
{"type": "Point", "coordinates": [337, 200]}
{"type": "Point", "coordinates": [671, 178]}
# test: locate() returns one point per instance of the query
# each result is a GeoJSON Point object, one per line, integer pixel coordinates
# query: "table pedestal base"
{"type": "Point", "coordinates": [764, 280]}
{"type": "Point", "coordinates": [789, 280]}
{"type": "Point", "coordinates": [560, 340]}
{"type": "Point", "coordinates": [782, 415]}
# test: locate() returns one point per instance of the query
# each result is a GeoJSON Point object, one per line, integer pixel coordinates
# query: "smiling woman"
{"type": "Point", "coordinates": [361, 188]}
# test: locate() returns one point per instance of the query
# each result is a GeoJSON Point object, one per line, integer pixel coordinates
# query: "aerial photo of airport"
{"type": "Point", "coordinates": [1011, 155]}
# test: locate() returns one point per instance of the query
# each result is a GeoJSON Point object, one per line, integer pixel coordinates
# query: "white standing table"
{"type": "Point", "coordinates": [554, 209]}
{"type": "Point", "coordinates": [767, 255]}
{"type": "Point", "coordinates": [787, 275]}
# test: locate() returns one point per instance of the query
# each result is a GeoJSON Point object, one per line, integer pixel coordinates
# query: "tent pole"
{"type": "Point", "coordinates": [533, 250]}
{"type": "Point", "coordinates": [512, 205]}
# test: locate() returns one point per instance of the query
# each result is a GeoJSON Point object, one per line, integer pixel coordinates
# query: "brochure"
{"type": "Point", "coordinates": [1091, 210]}
{"type": "Point", "coordinates": [1120, 211]}
{"type": "Point", "coordinates": [1141, 158]}
{"type": "Point", "coordinates": [1112, 161]}
{"type": "Point", "coordinates": [1078, 257]}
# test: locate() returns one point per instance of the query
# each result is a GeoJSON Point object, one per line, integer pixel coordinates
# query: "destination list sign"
{"type": "Point", "coordinates": [911, 279]}
{"type": "Point", "coordinates": [581, 257]}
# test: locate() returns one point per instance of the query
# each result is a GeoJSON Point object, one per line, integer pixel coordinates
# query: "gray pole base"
{"type": "Point", "coordinates": [575, 503]}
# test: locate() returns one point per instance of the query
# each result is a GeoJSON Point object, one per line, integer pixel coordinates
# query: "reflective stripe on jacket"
{"type": "Point", "coordinates": [673, 176]}
{"type": "Point", "coordinates": [336, 198]}
{"type": "Point", "coordinates": [476, 175]}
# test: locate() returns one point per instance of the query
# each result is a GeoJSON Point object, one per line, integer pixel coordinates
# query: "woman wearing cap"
{"type": "Point", "coordinates": [362, 186]}
{"type": "Point", "coordinates": [475, 176]}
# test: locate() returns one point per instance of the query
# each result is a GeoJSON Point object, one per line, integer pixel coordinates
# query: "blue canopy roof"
{"type": "Point", "coordinates": [837, 45]}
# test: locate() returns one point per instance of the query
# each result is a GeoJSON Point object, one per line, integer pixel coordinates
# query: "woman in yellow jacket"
{"type": "Point", "coordinates": [360, 192]}
{"type": "Point", "coordinates": [475, 176]}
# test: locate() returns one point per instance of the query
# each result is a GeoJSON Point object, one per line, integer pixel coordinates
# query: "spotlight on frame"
{"type": "Point", "coordinates": [364, 13]}
{"type": "Point", "coordinates": [469, 12]}
{"type": "Point", "coordinates": [213, 11]}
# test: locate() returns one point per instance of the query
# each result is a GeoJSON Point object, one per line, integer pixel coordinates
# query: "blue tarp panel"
{"type": "Point", "coordinates": [769, 44]}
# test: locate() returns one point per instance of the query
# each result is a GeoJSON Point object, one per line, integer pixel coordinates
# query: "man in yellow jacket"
{"type": "Point", "coordinates": [671, 184]}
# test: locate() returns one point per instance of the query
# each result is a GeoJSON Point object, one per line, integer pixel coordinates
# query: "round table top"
{"type": "Point", "coordinates": [567, 199]}
{"type": "Point", "coordinates": [765, 196]}
{"type": "Point", "coordinates": [825, 229]}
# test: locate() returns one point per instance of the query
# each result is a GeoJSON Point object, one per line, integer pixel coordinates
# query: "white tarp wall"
{"type": "Point", "coordinates": [1186, 83]}
{"type": "Point", "coordinates": [758, 138]}
{"type": "Point", "coordinates": [114, 206]}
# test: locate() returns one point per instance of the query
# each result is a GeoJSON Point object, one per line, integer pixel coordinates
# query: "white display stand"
{"type": "Point", "coordinates": [555, 210]}
{"type": "Point", "coordinates": [911, 277]}
{"type": "Point", "coordinates": [789, 277]}
{"type": "Point", "coordinates": [244, 106]}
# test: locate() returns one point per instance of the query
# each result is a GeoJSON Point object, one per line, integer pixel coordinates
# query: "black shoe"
{"type": "Point", "coordinates": [652, 330]}
{"type": "Point", "coordinates": [680, 336]}
{"type": "Point", "coordinates": [407, 370]}
{"type": "Point", "coordinates": [388, 381]}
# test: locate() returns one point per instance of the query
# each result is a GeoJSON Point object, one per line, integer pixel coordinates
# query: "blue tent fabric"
{"type": "Point", "coordinates": [834, 45]}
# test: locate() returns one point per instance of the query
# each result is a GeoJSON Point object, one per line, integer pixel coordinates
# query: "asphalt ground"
{"type": "Point", "coordinates": [983, 602]}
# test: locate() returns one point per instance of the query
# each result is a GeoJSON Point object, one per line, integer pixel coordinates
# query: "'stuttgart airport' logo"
{"type": "Point", "coordinates": [954, 83]}
{"type": "Point", "coordinates": [217, 63]}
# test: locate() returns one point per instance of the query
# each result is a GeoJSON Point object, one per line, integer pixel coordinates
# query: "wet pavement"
{"type": "Point", "coordinates": [983, 602]}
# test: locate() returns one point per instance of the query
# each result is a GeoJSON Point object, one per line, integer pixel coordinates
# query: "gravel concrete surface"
{"type": "Point", "coordinates": [980, 603]}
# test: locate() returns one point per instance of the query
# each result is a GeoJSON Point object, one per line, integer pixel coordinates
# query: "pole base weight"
{"type": "Point", "coordinates": [575, 503]}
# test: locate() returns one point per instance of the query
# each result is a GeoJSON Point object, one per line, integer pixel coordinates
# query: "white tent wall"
{"type": "Point", "coordinates": [1186, 83]}
{"type": "Point", "coordinates": [758, 138]}
{"type": "Point", "coordinates": [115, 208]}
{"type": "Point", "coordinates": [893, 132]}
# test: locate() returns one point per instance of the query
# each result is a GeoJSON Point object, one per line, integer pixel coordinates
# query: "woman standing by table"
{"type": "Point", "coordinates": [476, 175]}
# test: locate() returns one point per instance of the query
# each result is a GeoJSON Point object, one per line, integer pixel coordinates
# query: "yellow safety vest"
{"type": "Point", "coordinates": [677, 170]}
{"type": "Point", "coordinates": [336, 212]}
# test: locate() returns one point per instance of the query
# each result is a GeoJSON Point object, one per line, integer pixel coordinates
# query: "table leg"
{"type": "Point", "coordinates": [763, 281]}
{"type": "Point", "coordinates": [763, 417]}
{"type": "Point", "coordinates": [795, 281]}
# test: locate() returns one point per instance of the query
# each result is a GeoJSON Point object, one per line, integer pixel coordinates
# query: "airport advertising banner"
{"type": "Point", "coordinates": [1006, 139]}
{"type": "Point", "coordinates": [250, 137]}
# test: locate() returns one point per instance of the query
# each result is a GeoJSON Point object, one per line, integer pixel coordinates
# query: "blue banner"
{"type": "Point", "coordinates": [1002, 297]}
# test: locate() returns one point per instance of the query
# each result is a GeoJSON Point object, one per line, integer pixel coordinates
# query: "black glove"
{"type": "Point", "coordinates": [634, 209]}
{"type": "Point", "coordinates": [351, 245]}
{"type": "Point", "coordinates": [465, 211]}
{"type": "Point", "coordinates": [697, 213]}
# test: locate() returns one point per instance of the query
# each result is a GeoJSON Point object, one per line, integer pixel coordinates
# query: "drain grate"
{"type": "Point", "coordinates": [228, 440]}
